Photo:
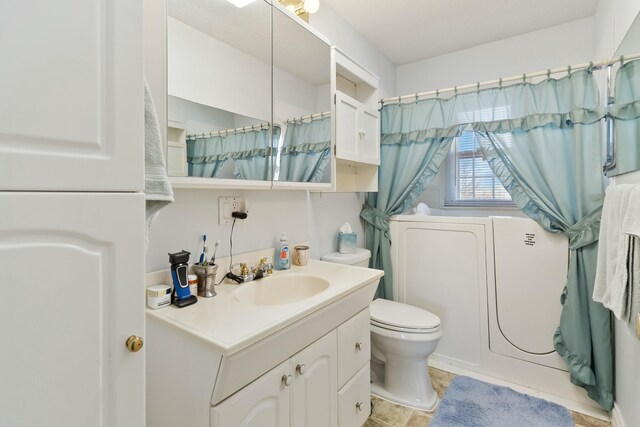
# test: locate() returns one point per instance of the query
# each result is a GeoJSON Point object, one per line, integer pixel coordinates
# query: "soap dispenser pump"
{"type": "Point", "coordinates": [283, 257]}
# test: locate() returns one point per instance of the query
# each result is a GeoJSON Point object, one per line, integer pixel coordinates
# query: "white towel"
{"type": "Point", "coordinates": [631, 234]}
{"type": "Point", "coordinates": [631, 220]}
{"type": "Point", "coordinates": [157, 187]}
{"type": "Point", "coordinates": [610, 287]}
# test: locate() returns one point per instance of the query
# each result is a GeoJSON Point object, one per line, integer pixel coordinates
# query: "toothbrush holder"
{"type": "Point", "coordinates": [206, 279]}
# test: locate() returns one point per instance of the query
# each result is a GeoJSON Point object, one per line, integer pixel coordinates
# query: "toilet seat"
{"type": "Point", "coordinates": [400, 317]}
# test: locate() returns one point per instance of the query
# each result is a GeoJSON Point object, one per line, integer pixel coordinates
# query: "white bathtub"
{"type": "Point", "coordinates": [495, 282]}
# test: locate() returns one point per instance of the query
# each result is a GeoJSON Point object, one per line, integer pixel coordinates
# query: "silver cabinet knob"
{"type": "Point", "coordinates": [359, 346]}
{"type": "Point", "coordinates": [301, 368]}
{"type": "Point", "coordinates": [359, 406]}
{"type": "Point", "coordinates": [287, 379]}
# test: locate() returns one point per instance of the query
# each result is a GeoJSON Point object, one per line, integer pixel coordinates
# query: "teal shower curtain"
{"type": "Point", "coordinates": [249, 149]}
{"type": "Point", "coordinates": [543, 141]}
{"type": "Point", "coordinates": [206, 156]}
{"type": "Point", "coordinates": [305, 150]}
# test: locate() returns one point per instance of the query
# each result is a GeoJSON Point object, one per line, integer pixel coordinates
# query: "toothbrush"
{"type": "Point", "coordinates": [203, 255]}
{"type": "Point", "coordinates": [215, 248]}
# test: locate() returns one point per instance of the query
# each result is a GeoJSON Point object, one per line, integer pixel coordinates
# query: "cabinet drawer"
{"type": "Point", "coordinates": [354, 349]}
{"type": "Point", "coordinates": [354, 400]}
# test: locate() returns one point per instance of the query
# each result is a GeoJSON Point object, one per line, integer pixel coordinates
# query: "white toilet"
{"type": "Point", "coordinates": [402, 338]}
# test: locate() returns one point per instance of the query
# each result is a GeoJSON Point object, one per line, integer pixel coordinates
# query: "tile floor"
{"type": "Point", "coordinates": [387, 414]}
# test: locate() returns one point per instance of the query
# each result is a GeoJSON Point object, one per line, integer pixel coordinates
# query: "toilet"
{"type": "Point", "coordinates": [402, 338]}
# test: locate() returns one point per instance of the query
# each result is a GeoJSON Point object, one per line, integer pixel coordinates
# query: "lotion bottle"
{"type": "Point", "coordinates": [283, 257]}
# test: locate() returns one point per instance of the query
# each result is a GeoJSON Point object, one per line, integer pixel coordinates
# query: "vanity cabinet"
{"type": "Point", "coordinates": [299, 392]}
{"type": "Point", "coordinates": [325, 384]}
{"type": "Point", "coordinates": [357, 125]}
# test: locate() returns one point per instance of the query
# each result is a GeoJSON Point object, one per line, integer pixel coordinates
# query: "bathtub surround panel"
{"type": "Point", "coordinates": [449, 269]}
{"type": "Point", "coordinates": [470, 278]}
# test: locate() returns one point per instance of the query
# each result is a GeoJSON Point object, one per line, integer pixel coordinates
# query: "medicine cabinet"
{"type": "Point", "coordinates": [249, 97]}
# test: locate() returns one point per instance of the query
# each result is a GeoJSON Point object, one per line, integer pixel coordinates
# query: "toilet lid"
{"type": "Point", "coordinates": [398, 315]}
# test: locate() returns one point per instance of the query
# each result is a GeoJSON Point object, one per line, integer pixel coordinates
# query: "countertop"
{"type": "Point", "coordinates": [230, 326]}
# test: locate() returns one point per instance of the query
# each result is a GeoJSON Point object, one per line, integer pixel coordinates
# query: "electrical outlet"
{"type": "Point", "coordinates": [228, 205]}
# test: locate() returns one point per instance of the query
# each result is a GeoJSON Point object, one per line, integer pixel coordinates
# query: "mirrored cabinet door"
{"type": "Point", "coordinates": [219, 102]}
{"type": "Point", "coordinates": [301, 103]}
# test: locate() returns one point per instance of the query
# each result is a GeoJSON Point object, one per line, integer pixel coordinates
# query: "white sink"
{"type": "Point", "coordinates": [285, 289]}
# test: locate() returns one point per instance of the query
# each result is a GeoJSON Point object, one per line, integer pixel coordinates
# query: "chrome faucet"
{"type": "Point", "coordinates": [264, 268]}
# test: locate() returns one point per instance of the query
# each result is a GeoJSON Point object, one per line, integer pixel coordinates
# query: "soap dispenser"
{"type": "Point", "coordinates": [283, 258]}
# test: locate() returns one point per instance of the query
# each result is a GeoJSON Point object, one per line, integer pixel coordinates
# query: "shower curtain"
{"type": "Point", "coordinates": [543, 142]}
{"type": "Point", "coordinates": [305, 150]}
{"type": "Point", "coordinates": [250, 149]}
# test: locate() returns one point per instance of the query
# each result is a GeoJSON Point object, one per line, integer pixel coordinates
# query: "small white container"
{"type": "Point", "coordinates": [158, 296]}
{"type": "Point", "coordinates": [193, 284]}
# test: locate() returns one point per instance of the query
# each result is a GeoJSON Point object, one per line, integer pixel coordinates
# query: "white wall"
{"type": "Point", "coordinates": [613, 20]}
{"type": "Point", "coordinates": [341, 34]}
{"type": "Point", "coordinates": [305, 217]}
{"type": "Point", "coordinates": [553, 47]}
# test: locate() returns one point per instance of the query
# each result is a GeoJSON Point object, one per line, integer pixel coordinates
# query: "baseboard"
{"type": "Point", "coordinates": [616, 417]}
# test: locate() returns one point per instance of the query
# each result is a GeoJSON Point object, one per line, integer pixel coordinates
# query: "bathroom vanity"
{"type": "Point", "coordinates": [291, 349]}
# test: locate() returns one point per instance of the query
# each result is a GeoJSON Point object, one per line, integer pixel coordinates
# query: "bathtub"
{"type": "Point", "coordinates": [495, 283]}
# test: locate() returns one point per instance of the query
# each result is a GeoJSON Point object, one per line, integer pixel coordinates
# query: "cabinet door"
{"type": "Point", "coordinates": [71, 116]}
{"type": "Point", "coordinates": [314, 395]}
{"type": "Point", "coordinates": [72, 289]}
{"type": "Point", "coordinates": [263, 403]}
{"type": "Point", "coordinates": [346, 127]}
{"type": "Point", "coordinates": [369, 136]}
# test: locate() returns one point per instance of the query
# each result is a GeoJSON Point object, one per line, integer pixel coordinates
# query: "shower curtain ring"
{"type": "Point", "coordinates": [478, 87]}
{"type": "Point", "coordinates": [455, 90]}
{"type": "Point", "coordinates": [500, 82]}
{"type": "Point", "coordinates": [621, 60]}
{"type": "Point", "coordinates": [590, 69]}
{"type": "Point", "coordinates": [437, 93]}
{"type": "Point", "coordinates": [399, 100]}
{"type": "Point", "coordinates": [569, 70]}
{"type": "Point", "coordinates": [548, 73]}
{"type": "Point", "coordinates": [524, 77]}
{"type": "Point", "coordinates": [416, 97]}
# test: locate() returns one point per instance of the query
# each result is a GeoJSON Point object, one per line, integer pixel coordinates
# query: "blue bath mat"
{"type": "Point", "coordinates": [472, 403]}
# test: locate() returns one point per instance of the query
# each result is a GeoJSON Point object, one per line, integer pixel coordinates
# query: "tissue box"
{"type": "Point", "coordinates": [347, 243]}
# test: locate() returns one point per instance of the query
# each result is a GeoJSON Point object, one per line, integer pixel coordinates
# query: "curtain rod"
{"type": "Point", "coordinates": [261, 126]}
{"type": "Point", "coordinates": [309, 117]}
{"type": "Point", "coordinates": [523, 77]}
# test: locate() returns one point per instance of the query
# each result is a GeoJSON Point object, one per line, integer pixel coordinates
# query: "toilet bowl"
{"type": "Point", "coordinates": [402, 338]}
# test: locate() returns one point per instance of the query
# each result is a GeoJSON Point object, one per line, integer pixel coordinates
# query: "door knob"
{"type": "Point", "coordinates": [301, 368]}
{"type": "Point", "coordinates": [287, 379]}
{"type": "Point", "coordinates": [134, 343]}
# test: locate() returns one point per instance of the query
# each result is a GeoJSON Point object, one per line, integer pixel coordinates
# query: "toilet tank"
{"type": "Point", "coordinates": [359, 259]}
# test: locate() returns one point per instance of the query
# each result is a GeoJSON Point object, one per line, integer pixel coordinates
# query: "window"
{"type": "Point", "coordinates": [470, 180]}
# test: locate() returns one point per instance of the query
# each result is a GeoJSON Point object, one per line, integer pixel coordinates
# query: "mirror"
{"type": "Point", "coordinates": [301, 102]}
{"type": "Point", "coordinates": [232, 114]}
{"type": "Point", "coordinates": [219, 89]}
{"type": "Point", "coordinates": [627, 147]}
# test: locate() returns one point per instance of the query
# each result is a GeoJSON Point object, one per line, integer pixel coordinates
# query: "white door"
{"type": "Point", "coordinates": [71, 87]}
{"type": "Point", "coordinates": [314, 401]}
{"type": "Point", "coordinates": [263, 403]}
{"type": "Point", "coordinates": [71, 277]}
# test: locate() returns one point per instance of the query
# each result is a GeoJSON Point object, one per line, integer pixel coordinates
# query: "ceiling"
{"type": "Point", "coordinates": [409, 30]}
